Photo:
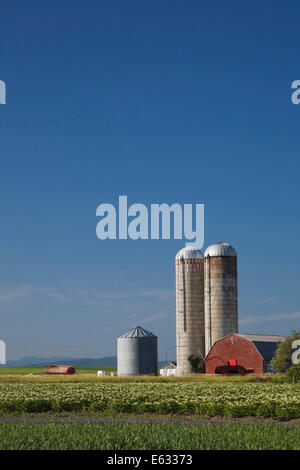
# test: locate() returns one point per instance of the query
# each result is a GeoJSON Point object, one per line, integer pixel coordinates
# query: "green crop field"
{"type": "Point", "coordinates": [148, 436]}
{"type": "Point", "coordinates": [89, 374]}
{"type": "Point", "coordinates": [70, 412]}
{"type": "Point", "coordinates": [27, 371]}
{"type": "Point", "coordinates": [207, 398]}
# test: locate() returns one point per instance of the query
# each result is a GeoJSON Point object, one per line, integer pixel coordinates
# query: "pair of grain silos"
{"type": "Point", "coordinates": [206, 301]}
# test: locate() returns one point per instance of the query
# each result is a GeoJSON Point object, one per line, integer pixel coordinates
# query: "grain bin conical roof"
{"type": "Point", "coordinates": [137, 332]}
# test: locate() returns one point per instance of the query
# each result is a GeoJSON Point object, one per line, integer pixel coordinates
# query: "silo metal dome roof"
{"type": "Point", "coordinates": [137, 332]}
{"type": "Point", "coordinates": [189, 252]}
{"type": "Point", "coordinates": [220, 249]}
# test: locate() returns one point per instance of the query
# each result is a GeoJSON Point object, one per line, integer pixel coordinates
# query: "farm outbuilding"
{"type": "Point", "coordinates": [252, 352]}
{"type": "Point", "coordinates": [168, 369]}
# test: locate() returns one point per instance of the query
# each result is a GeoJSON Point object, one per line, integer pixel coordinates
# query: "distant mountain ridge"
{"type": "Point", "coordinates": [33, 361]}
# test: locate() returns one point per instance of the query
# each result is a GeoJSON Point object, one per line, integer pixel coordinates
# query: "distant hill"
{"type": "Point", "coordinates": [109, 361]}
{"type": "Point", "coordinates": [31, 361]}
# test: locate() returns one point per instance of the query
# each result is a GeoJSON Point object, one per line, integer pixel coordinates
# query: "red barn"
{"type": "Point", "coordinates": [253, 352]}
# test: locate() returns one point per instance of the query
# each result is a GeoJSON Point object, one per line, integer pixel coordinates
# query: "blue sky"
{"type": "Point", "coordinates": [184, 102]}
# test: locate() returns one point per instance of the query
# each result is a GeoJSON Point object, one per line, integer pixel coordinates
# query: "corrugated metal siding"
{"type": "Point", "coordinates": [137, 355]}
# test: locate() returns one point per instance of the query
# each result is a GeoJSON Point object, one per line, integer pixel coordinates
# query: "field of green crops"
{"type": "Point", "coordinates": [67, 412]}
{"type": "Point", "coordinates": [38, 371]}
{"type": "Point", "coordinates": [89, 375]}
{"type": "Point", "coordinates": [196, 398]}
{"type": "Point", "coordinates": [146, 436]}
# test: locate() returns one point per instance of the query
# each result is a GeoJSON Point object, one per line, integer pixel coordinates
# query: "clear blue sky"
{"type": "Point", "coordinates": [169, 101]}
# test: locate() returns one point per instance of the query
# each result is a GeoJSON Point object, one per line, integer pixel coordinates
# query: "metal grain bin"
{"type": "Point", "coordinates": [137, 353]}
{"type": "Point", "coordinates": [221, 294]}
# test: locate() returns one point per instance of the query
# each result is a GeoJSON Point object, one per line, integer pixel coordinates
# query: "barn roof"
{"type": "Point", "coordinates": [265, 344]}
{"type": "Point", "coordinates": [272, 338]}
{"type": "Point", "coordinates": [169, 365]}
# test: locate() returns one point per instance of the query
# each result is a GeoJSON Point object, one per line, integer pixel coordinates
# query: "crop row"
{"type": "Point", "coordinates": [235, 399]}
{"type": "Point", "coordinates": [160, 436]}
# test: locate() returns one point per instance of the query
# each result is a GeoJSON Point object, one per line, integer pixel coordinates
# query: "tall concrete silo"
{"type": "Point", "coordinates": [221, 293]}
{"type": "Point", "coordinates": [189, 308]}
{"type": "Point", "coordinates": [137, 353]}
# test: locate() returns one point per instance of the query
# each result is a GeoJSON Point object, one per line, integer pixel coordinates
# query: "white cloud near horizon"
{"type": "Point", "coordinates": [267, 318]}
{"type": "Point", "coordinates": [161, 294]}
{"type": "Point", "coordinates": [156, 316]}
{"type": "Point", "coordinates": [87, 297]}
{"type": "Point", "coordinates": [13, 293]}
